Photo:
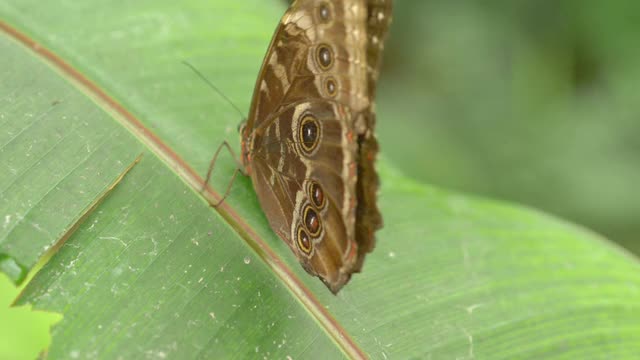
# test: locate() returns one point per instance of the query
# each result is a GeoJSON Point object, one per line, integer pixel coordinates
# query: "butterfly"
{"type": "Point", "coordinates": [308, 143]}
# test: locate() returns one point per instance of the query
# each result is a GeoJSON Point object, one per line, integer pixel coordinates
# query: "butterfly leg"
{"type": "Point", "coordinates": [239, 168]}
{"type": "Point", "coordinates": [226, 192]}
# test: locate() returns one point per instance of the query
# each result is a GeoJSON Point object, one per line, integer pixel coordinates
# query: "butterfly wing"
{"type": "Point", "coordinates": [307, 188]}
{"type": "Point", "coordinates": [310, 125]}
{"type": "Point", "coordinates": [368, 218]}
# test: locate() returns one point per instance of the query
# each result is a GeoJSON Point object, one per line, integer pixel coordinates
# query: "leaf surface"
{"type": "Point", "coordinates": [152, 270]}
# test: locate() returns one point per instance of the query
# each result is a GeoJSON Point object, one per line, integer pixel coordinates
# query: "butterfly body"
{"type": "Point", "coordinates": [309, 143]}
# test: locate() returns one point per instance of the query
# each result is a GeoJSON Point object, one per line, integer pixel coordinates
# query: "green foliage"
{"type": "Point", "coordinates": [24, 333]}
{"type": "Point", "coordinates": [149, 269]}
{"type": "Point", "coordinates": [532, 101]}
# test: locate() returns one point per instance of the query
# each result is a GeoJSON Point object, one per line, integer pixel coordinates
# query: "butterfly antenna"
{"type": "Point", "coordinates": [193, 68]}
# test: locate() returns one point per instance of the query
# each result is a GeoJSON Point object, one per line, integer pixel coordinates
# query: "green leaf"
{"type": "Point", "coordinates": [148, 269]}
{"type": "Point", "coordinates": [24, 333]}
{"type": "Point", "coordinates": [53, 158]}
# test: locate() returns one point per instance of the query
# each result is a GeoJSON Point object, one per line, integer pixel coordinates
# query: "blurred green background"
{"type": "Point", "coordinates": [536, 102]}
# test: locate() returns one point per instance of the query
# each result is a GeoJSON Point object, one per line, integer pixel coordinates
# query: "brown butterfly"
{"type": "Point", "coordinates": [309, 143]}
